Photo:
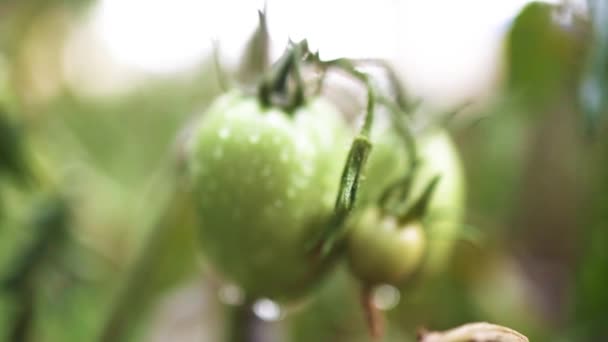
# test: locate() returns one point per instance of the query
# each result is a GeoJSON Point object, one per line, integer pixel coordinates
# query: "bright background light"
{"type": "Point", "coordinates": [445, 50]}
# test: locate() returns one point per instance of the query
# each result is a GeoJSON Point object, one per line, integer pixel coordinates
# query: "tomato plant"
{"type": "Point", "coordinates": [274, 179]}
{"type": "Point", "coordinates": [410, 215]}
{"type": "Point", "coordinates": [277, 188]}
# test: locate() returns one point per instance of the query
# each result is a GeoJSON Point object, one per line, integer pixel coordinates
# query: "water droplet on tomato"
{"type": "Point", "coordinates": [267, 310]}
{"type": "Point", "coordinates": [386, 297]}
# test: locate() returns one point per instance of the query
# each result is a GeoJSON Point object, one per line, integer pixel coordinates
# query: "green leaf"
{"type": "Point", "coordinates": [256, 57]}
{"type": "Point", "coordinates": [593, 90]}
{"type": "Point", "coordinates": [12, 154]}
{"type": "Point", "coordinates": [542, 55]}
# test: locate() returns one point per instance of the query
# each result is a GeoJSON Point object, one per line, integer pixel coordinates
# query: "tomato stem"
{"type": "Point", "coordinates": [402, 124]}
{"type": "Point", "coordinates": [397, 193]}
{"type": "Point", "coordinates": [298, 97]}
{"type": "Point", "coordinates": [373, 316]}
{"type": "Point", "coordinates": [398, 89]}
{"type": "Point", "coordinates": [273, 89]}
{"type": "Point", "coordinates": [356, 159]}
{"type": "Point", "coordinates": [347, 193]}
{"type": "Point", "coordinates": [143, 281]}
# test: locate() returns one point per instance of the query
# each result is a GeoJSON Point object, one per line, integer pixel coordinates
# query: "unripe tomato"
{"type": "Point", "coordinates": [265, 183]}
{"type": "Point", "coordinates": [381, 250]}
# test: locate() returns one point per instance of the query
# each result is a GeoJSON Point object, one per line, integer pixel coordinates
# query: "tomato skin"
{"type": "Point", "coordinates": [381, 250]}
{"type": "Point", "coordinates": [446, 210]}
{"type": "Point", "coordinates": [265, 184]}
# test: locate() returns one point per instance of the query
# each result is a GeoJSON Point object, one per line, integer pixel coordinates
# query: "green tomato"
{"type": "Point", "coordinates": [379, 249]}
{"type": "Point", "coordinates": [265, 183]}
{"type": "Point", "coordinates": [383, 251]}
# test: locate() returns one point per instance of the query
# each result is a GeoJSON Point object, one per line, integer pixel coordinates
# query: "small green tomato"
{"type": "Point", "coordinates": [383, 251]}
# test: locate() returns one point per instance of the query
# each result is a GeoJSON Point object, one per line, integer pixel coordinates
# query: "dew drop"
{"type": "Point", "coordinates": [386, 297]}
{"type": "Point", "coordinates": [267, 310]}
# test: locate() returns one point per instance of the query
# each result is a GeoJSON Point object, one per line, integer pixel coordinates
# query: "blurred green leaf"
{"type": "Point", "coordinates": [542, 55]}
{"type": "Point", "coordinates": [593, 90]}
{"type": "Point", "coordinates": [12, 153]}
{"type": "Point", "coordinates": [49, 224]}
{"type": "Point", "coordinates": [256, 56]}
{"type": "Point", "coordinates": [167, 257]}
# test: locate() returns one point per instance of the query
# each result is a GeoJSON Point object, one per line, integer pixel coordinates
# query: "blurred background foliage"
{"type": "Point", "coordinates": [88, 155]}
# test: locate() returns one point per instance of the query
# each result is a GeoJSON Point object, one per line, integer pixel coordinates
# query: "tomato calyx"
{"type": "Point", "coordinates": [273, 89]}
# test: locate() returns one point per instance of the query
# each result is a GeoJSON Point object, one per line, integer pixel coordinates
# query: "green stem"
{"type": "Point", "coordinates": [274, 84]}
{"type": "Point", "coordinates": [402, 123]}
{"type": "Point", "coordinates": [21, 325]}
{"type": "Point", "coordinates": [400, 96]}
{"type": "Point", "coordinates": [355, 163]}
{"type": "Point", "coordinates": [347, 193]}
{"type": "Point", "coordinates": [397, 193]}
{"type": "Point", "coordinates": [298, 96]}
{"type": "Point", "coordinates": [373, 316]}
{"type": "Point", "coordinates": [169, 240]}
